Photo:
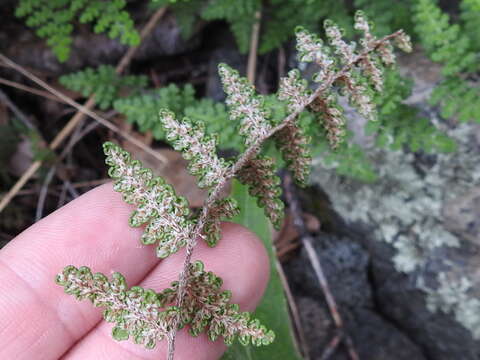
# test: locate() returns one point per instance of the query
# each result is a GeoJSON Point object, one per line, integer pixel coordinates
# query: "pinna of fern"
{"type": "Point", "coordinates": [197, 299]}
{"type": "Point", "coordinates": [147, 316]}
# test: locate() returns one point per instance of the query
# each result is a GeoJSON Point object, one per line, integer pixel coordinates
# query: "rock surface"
{"type": "Point", "coordinates": [92, 50]}
{"type": "Point", "coordinates": [420, 224]}
{"type": "Point", "coordinates": [345, 263]}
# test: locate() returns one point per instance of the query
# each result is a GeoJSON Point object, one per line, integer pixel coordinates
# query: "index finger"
{"type": "Point", "coordinates": [36, 319]}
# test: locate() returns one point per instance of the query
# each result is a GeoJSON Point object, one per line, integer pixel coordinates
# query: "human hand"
{"type": "Point", "coordinates": [39, 321]}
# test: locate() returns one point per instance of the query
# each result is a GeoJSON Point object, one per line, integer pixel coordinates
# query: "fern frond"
{"type": "Point", "coordinates": [259, 175]}
{"type": "Point", "coordinates": [157, 204]}
{"type": "Point", "coordinates": [196, 147]}
{"type": "Point", "coordinates": [362, 71]}
{"type": "Point", "coordinates": [281, 17]}
{"type": "Point", "coordinates": [457, 97]}
{"type": "Point", "coordinates": [312, 49]}
{"type": "Point", "coordinates": [136, 312]}
{"type": "Point", "coordinates": [215, 117]}
{"type": "Point", "coordinates": [389, 15]}
{"type": "Point", "coordinates": [444, 42]}
{"type": "Point", "coordinates": [207, 309]}
{"type": "Point", "coordinates": [470, 15]}
{"type": "Point", "coordinates": [344, 50]}
{"type": "Point", "coordinates": [359, 95]}
{"type": "Point", "coordinates": [104, 82]}
{"type": "Point", "coordinates": [142, 110]}
{"type": "Point", "coordinates": [54, 20]}
{"type": "Point", "coordinates": [200, 301]}
{"type": "Point", "coordinates": [447, 44]}
{"type": "Point", "coordinates": [399, 125]}
{"type": "Point", "coordinates": [244, 105]}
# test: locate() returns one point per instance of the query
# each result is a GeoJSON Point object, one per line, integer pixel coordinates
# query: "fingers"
{"type": "Point", "coordinates": [239, 259]}
{"type": "Point", "coordinates": [39, 321]}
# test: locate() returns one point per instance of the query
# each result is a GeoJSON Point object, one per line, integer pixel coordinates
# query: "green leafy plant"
{"type": "Point", "coordinates": [55, 20]}
{"type": "Point", "coordinates": [456, 47]}
{"type": "Point", "coordinates": [104, 82]}
{"type": "Point", "coordinates": [398, 124]}
{"type": "Point", "coordinates": [279, 19]}
{"type": "Point", "coordinates": [196, 299]}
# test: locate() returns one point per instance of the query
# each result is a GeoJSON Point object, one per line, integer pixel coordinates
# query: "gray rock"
{"type": "Point", "coordinates": [229, 56]}
{"type": "Point", "coordinates": [398, 297]}
{"type": "Point", "coordinates": [419, 222]}
{"type": "Point", "coordinates": [345, 263]}
{"type": "Point", "coordinates": [93, 50]}
{"type": "Point", "coordinates": [462, 215]}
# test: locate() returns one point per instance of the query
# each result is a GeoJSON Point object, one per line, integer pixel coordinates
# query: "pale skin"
{"type": "Point", "coordinates": [39, 321]}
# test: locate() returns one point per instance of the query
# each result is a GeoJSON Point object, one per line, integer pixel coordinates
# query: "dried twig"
{"type": "Point", "coordinates": [307, 241]}
{"type": "Point", "coordinates": [78, 135]}
{"type": "Point", "coordinates": [282, 60]}
{"type": "Point", "coordinates": [82, 110]}
{"type": "Point", "coordinates": [43, 193]}
{"type": "Point", "coordinates": [252, 56]}
{"type": "Point", "coordinates": [67, 185]}
{"type": "Point", "coordinates": [73, 193]}
{"type": "Point", "coordinates": [16, 111]}
{"type": "Point", "coordinates": [63, 196]}
{"type": "Point", "coordinates": [79, 116]}
{"type": "Point", "coordinates": [30, 89]}
{"type": "Point", "coordinates": [302, 342]}
{"type": "Point", "coordinates": [146, 31]}
{"type": "Point", "coordinates": [331, 347]}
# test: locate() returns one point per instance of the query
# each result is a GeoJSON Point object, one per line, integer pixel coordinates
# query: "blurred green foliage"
{"type": "Point", "coordinates": [55, 21]}
{"type": "Point", "coordinates": [456, 47]}
{"type": "Point", "coordinates": [104, 82]}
